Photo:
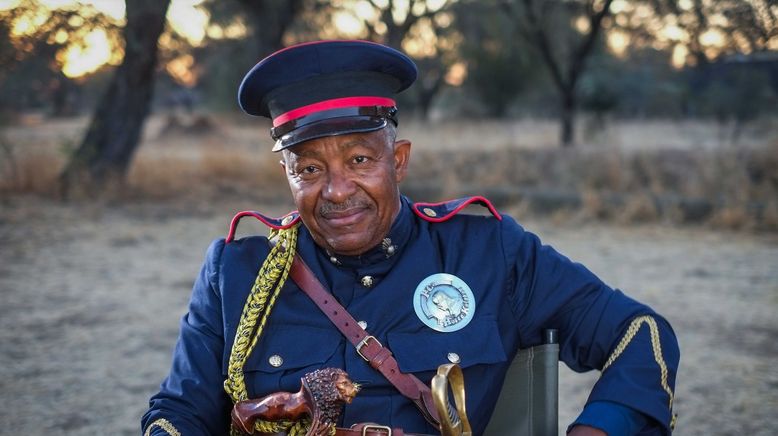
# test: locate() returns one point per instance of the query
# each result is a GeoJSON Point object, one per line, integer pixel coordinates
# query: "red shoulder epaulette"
{"type": "Point", "coordinates": [281, 223]}
{"type": "Point", "coordinates": [439, 212]}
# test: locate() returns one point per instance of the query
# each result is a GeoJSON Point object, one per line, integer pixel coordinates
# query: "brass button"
{"type": "Point", "coordinates": [287, 219]}
{"type": "Point", "coordinates": [275, 361]}
{"type": "Point", "coordinates": [453, 357]}
{"type": "Point", "coordinates": [367, 281]}
{"type": "Point", "coordinates": [430, 212]}
{"type": "Point", "coordinates": [362, 324]}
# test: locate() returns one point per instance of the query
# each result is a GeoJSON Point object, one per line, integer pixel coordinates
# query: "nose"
{"type": "Point", "coordinates": [340, 187]}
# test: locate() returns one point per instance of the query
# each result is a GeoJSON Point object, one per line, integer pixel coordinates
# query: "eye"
{"type": "Point", "coordinates": [360, 159]}
{"type": "Point", "coordinates": [306, 170]}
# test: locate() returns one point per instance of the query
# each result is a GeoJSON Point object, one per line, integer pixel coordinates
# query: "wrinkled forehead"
{"type": "Point", "coordinates": [379, 140]}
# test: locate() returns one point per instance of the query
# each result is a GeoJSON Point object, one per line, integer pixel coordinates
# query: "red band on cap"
{"type": "Point", "coordinates": [335, 103]}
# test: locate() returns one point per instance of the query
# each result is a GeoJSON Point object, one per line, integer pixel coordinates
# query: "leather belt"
{"type": "Point", "coordinates": [369, 429]}
{"type": "Point", "coordinates": [367, 346]}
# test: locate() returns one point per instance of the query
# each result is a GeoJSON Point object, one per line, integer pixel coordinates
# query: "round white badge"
{"type": "Point", "coordinates": [444, 302]}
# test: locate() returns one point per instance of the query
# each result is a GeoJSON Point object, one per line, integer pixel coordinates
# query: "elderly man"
{"type": "Point", "coordinates": [425, 281]}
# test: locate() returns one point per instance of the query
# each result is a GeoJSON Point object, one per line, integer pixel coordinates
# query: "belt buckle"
{"type": "Point", "coordinates": [363, 343]}
{"type": "Point", "coordinates": [376, 427]}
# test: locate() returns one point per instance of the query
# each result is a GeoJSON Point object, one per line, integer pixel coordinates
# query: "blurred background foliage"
{"type": "Point", "coordinates": [583, 64]}
{"type": "Point", "coordinates": [492, 58]}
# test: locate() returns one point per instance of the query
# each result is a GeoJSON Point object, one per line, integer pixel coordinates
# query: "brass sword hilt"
{"type": "Point", "coordinates": [452, 422]}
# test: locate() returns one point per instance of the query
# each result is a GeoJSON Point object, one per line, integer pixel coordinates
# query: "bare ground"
{"type": "Point", "coordinates": [92, 294]}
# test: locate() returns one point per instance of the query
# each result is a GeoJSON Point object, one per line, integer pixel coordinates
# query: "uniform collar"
{"type": "Point", "coordinates": [388, 249]}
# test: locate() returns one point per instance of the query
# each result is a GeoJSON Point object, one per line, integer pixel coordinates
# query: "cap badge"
{"type": "Point", "coordinates": [444, 302]}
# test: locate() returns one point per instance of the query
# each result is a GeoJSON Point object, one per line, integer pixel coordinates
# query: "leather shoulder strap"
{"type": "Point", "coordinates": [367, 346]}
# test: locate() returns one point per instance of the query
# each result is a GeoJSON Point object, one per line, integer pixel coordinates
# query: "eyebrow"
{"type": "Point", "coordinates": [351, 144]}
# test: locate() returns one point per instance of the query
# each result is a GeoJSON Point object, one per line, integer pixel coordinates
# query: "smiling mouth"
{"type": "Point", "coordinates": [343, 218]}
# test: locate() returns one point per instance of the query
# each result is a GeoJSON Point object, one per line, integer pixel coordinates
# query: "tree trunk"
{"type": "Point", "coordinates": [269, 21]}
{"type": "Point", "coordinates": [425, 104]}
{"type": "Point", "coordinates": [62, 98]}
{"type": "Point", "coordinates": [104, 156]}
{"type": "Point", "coordinates": [542, 38]}
{"type": "Point", "coordinates": [567, 119]}
{"type": "Point", "coordinates": [427, 89]}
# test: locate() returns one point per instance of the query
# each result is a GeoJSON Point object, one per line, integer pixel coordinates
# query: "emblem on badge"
{"type": "Point", "coordinates": [444, 302]}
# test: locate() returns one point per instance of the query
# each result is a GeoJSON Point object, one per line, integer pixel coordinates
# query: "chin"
{"type": "Point", "coordinates": [350, 246]}
{"type": "Point", "coordinates": [348, 250]}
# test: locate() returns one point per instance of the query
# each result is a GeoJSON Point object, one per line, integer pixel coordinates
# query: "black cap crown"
{"type": "Point", "coordinates": [326, 88]}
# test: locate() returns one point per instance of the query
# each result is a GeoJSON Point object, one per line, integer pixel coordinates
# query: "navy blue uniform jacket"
{"type": "Point", "coordinates": [521, 287]}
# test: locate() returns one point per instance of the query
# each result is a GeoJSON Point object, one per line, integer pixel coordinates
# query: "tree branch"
{"type": "Point", "coordinates": [538, 37]}
{"type": "Point", "coordinates": [585, 49]}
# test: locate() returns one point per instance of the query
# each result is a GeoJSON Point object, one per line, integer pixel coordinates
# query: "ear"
{"type": "Point", "coordinates": [402, 155]}
{"type": "Point", "coordinates": [282, 161]}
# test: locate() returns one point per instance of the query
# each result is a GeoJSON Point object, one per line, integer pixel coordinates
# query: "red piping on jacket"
{"type": "Point", "coordinates": [257, 215]}
{"type": "Point", "coordinates": [464, 204]}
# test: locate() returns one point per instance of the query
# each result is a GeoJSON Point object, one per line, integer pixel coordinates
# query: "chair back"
{"type": "Point", "coordinates": [528, 404]}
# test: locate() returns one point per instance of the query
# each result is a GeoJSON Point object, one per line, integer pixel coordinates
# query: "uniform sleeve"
{"type": "Point", "coordinates": [191, 400]}
{"type": "Point", "coordinates": [599, 328]}
{"type": "Point", "coordinates": [612, 418]}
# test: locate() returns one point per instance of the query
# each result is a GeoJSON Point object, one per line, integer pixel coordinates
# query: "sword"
{"type": "Point", "coordinates": [453, 422]}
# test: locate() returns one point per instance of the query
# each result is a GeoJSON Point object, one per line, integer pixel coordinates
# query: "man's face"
{"type": "Point", "coordinates": [346, 187]}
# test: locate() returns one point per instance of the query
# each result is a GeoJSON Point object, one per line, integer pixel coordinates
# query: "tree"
{"type": "Point", "coordinates": [736, 92]}
{"type": "Point", "coordinates": [425, 31]}
{"type": "Point", "coordinates": [269, 20]}
{"type": "Point", "coordinates": [709, 40]}
{"type": "Point", "coordinates": [564, 33]}
{"type": "Point", "coordinates": [395, 19]}
{"type": "Point", "coordinates": [34, 46]}
{"type": "Point", "coordinates": [498, 69]}
{"type": "Point", "coordinates": [102, 159]}
{"type": "Point", "coordinates": [250, 30]}
{"type": "Point", "coordinates": [701, 31]}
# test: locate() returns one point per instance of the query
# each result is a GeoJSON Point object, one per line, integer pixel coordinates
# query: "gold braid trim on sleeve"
{"type": "Point", "coordinates": [164, 424]}
{"type": "Point", "coordinates": [632, 330]}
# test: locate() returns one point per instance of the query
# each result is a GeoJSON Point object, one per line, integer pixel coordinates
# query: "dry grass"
{"type": "Point", "coordinates": [215, 158]}
{"type": "Point", "coordinates": [34, 172]}
{"type": "Point", "coordinates": [33, 169]}
{"type": "Point", "coordinates": [728, 188]}
{"type": "Point", "coordinates": [661, 174]}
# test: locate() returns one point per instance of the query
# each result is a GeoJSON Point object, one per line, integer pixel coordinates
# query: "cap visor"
{"type": "Point", "coordinates": [330, 127]}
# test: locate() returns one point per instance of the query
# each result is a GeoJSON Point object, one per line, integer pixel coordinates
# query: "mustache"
{"type": "Point", "coordinates": [351, 203]}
